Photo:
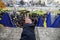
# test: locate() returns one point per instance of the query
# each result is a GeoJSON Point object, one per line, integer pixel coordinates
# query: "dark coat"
{"type": "Point", "coordinates": [28, 32]}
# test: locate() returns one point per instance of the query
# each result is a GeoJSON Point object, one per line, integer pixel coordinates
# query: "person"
{"type": "Point", "coordinates": [22, 2]}
{"type": "Point", "coordinates": [28, 30]}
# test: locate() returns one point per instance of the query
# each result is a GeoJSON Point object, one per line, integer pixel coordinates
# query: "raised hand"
{"type": "Point", "coordinates": [27, 19]}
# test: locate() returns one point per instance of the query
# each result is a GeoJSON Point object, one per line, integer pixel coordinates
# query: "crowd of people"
{"type": "Point", "coordinates": [25, 4]}
{"type": "Point", "coordinates": [18, 19]}
{"type": "Point", "coordinates": [37, 3]}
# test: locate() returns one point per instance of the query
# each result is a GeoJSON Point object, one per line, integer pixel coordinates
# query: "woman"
{"type": "Point", "coordinates": [28, 30]}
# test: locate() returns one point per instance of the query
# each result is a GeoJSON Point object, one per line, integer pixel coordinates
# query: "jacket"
{"type": "Point", "coordinates": [28, 32]}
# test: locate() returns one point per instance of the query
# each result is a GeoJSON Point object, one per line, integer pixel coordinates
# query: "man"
{"type": "Point", "coordinates": [28, 30]}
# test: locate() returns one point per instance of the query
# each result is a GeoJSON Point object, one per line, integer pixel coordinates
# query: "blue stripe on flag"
{"type": "Point", "coordinates": [6, 21]}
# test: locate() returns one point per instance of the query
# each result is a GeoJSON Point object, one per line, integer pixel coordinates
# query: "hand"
{"type": "Point", "coordinates": [28, 20]}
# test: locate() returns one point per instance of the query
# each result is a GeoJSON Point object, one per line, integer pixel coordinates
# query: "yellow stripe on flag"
{"type": "Point", "coordinates": [0, 18]}
{"type": "Point", "coordinates": [45, 26]}
{"type": "Point", "coordinates": [1, 26]}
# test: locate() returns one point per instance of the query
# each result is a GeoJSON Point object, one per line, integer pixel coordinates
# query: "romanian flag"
{"type": "Point", "coordinates": [6, 21]}
{"type": "Point", "coordinates": [48, 21]}
{"type": "Point", "coordinates": [56, 23]}
{"type": "Point", "coordinates": [40, 22]}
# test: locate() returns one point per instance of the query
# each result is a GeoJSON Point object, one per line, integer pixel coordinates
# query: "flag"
{"type": "Point", "coordinates": [48, 21]}
{"type": "Point", "coordinates": [6, 21]}
{"type": "Point", "coordinates": [40, 22]}
{"type": "Point", "coordinates": [56, 23]}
